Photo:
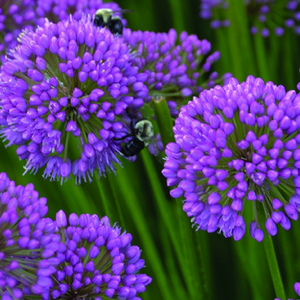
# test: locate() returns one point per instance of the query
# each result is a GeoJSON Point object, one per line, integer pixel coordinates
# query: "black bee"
{"type": "Point", "coordinates": [104, 18]}
{"type": "Point", "coordinates": [142, 132]}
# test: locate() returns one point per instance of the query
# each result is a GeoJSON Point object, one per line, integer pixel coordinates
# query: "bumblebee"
{"type": "Point", "coordinates": [104, 18]}
{"type": "Point", "coordinates": [141, 134]}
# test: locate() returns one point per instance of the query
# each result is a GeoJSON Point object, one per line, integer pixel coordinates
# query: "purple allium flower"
{"type": "Point", "coordinates": [173, 68]}
{"type": "Point", "coordinates": [27, 241]}
{"type": "Point", "coordinates": [66, 83]}
{"type": "Point", "coordinates": [264, 17]}
{"type": "Point", "coordinates": [26, 14]}
{"type": "Point", "coordinates": [96, 260]}
{"type": "Point", "coordinates": [237, 147]}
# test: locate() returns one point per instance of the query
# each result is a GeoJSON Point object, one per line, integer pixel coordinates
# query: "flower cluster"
{"type": "Point", "coordinates": [265, 17]}
{"type": "Point", "coordinates": [96, 260]}
{"type": "Point", "coordinates": [74, 82]}
{"type": "Point", "coordinates": [236, 145]}
{"type": "Point", "coordinates": [19, 15]}
{"type": "Point", "coordinates": [65, 83]}
{"type": "Point", "coordinates": [27, 241]}
{"type": "Point", "coordinates": [50, 259]}
{"type": "Point", "coordinates": [174, 68]}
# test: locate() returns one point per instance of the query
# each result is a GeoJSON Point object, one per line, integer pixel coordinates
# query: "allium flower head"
{"type": "Point", "coordinates": [265, 17]}
{"type": "Point", "coordinates": [237, 147]}
{"type": "Point", "coordinates": [174, 67]}
{"type": "Point", "coordinates": [66, 83]}
{"type": "Point", "coordinates": [96, 260]}
{"type": "Point", "coordinates": [27, 241]}
{"type": "Point", "coordinates": [26, 14]}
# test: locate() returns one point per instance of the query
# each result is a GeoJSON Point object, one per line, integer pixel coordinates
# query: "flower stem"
{"type": "Point", "coordinates": [193, 254]}
{"type": "Point", "coordinates": [176, 11]}
{"type": "Point", "coordinates": [140, 219]}
{"type": "Point", "coordinates": [163, 118]}
{"type": "Point", "coordinates": [260, 51]}
{"type": "Point", "coordinates": [178, 227]}
{"type": "Point", "coordinates": [273, 266]}
{"type": "Point", "coordinates": [243, 63]}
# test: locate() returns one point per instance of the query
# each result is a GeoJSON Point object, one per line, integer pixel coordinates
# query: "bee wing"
{"type": "Point", "coordinates": [156, 148]}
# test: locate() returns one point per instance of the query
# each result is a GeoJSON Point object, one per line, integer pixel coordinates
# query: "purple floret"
{"type": "Point", "coordinates": [235, 145]}
{"type": "Point", "coordinates": [96, 259]}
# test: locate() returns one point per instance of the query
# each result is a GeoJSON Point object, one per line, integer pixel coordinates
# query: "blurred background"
{"type": "Point", "coordinates": [183, 263]}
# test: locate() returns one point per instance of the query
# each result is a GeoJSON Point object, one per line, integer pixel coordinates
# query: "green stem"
{"type": "Point", "coordinates": [262, 60]}
{"type": "Point", "coordinates": [126, 186]}
{"type": "Point", "coordinates": [223, 46]}
{"type": "Point", "coordinates": [177, 8]}
{"type": "Point", "coordinates": [193, 254]}
{"type": "Point", "coordinates": [109, 201]}
{"type": "Point", "coordinates": [163, 119]}
{"type": "Point", "coordinates": [171, 262]}
{"type": "Point", "coordinates": [275, 56]}
{"type": "Point", "coordinates": [116, 201]}
{"type": "Point", "coordinates": [239, 38]}
{"type": "Point", "coordinates": [288, 78]}
{"type": "Point", "coordinates": [189, 250]}
{"type": "Point", "coordinates": [167, 211]}
{"type": "Point", "coordinates": [200, 253]}
{"type": "Point", "coordinates": [273, 266]}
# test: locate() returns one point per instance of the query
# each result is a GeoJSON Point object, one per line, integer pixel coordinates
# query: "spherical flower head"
{"type": "Point", "coordinates": [237, 147]}
{"type": "Point", "coordinates": [264, 17]}
{"type": "Point", "coordinates": [173, 67]}
{"type": "Point", "coordinates": [96, 260]}
{"type": "Point", "coordinates": [27, 241]}
{"type": "Point", "coordinates": [64, 89]}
